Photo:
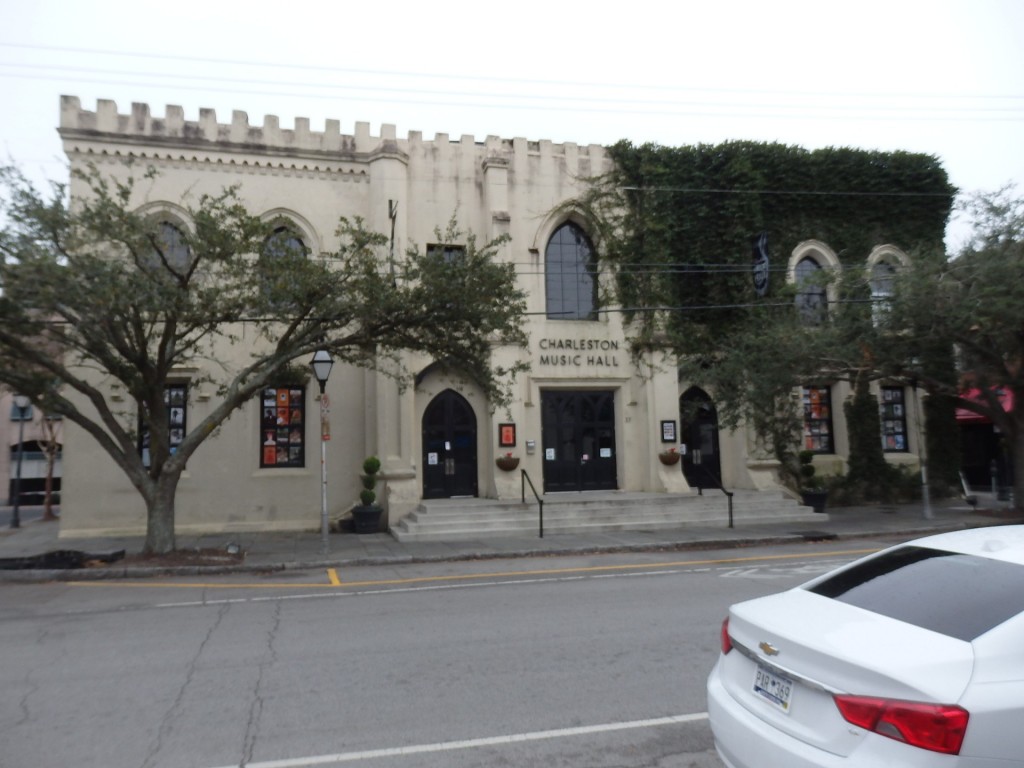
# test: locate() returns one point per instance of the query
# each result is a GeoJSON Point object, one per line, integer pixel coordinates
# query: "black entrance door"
{"type": "Point", "coordinates": [449, 447]}
{"type": "Point", "coordinates": [578, 433]}
{"type": "Point", "coordinates": [699, 419]}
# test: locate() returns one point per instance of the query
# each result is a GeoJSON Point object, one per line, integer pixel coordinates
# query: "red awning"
{"type": "Point", "coordinates": [964, 416]}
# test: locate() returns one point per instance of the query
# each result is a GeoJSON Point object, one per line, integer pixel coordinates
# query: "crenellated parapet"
{"type": "Point", "coordinates": [81, 129]}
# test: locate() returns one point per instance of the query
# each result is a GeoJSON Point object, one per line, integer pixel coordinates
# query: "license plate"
{"type": "Point", "coordinates": [776, 688]}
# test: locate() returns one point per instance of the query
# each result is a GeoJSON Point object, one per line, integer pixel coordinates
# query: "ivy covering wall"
{"type": "Point", "coordinates": [675, 227]}
{"type": "Point", "coordinates": [677, 222]}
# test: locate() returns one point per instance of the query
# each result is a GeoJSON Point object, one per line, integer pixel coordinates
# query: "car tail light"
{"type": "Point", "coordinates": [937, 727]}
{"type": "Point", "coordinates": [726, 640]}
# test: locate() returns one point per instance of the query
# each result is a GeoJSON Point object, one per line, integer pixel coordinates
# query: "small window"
{"type": "Point", "coordinates": [450, 253]}
{"type": "Point", "coordinates": [894, 420]}
{"type": "Point", "coordinates": [811, 298]}
{"type": "Point", "coordinates": [818, 419]}
{"type": "Point", "coordinates": [570, 275]}
{"type": "Point", "coordinates": [283, 427]}
{"type": "Point", "coordinates": [176, 400]}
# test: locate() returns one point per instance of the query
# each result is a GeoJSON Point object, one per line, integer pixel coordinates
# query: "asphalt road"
{"type": "Point", "coordinates": [587, 661]}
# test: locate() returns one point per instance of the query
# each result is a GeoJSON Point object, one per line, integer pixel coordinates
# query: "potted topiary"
{"type": "Point", "coordinates": [812, 492]}
{"type": "Point", "coordinates": [366, 515]}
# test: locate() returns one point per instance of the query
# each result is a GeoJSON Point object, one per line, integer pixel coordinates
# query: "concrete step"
{"type": "Point", "coordinates": [455, 519]}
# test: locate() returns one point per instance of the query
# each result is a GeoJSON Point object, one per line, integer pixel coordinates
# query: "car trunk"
{"type": "Point", "coordinates": [792, 651]}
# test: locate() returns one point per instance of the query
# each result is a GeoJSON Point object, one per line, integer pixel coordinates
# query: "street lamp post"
{"type": "Point", "coordinates": [321, 364]}
{"type": "Point", "coordinates": [21, 403]}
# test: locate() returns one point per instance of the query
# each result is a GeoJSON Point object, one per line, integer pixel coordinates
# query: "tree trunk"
{"type": "Point", "coordinates": [160, 518]}
{"type": "Point", "coordinates": [50, 449]}
{"type": "Point", "coordinates": [51, 459]}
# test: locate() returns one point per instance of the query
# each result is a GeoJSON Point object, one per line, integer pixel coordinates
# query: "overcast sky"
{"type": "Point", "coordinates": [942, 77]}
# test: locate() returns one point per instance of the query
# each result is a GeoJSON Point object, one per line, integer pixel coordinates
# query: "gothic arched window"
{"type": "Point", "coordinates": [811, 298]}
{"type": "Point", "coordinates": [570, 275]}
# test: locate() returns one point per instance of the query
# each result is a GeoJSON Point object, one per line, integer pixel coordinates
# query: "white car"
{"type": "Point", "coordinates": [913, 656]}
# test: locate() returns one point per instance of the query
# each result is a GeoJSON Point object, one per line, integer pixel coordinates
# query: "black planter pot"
{"type": "Point", "coordinates": [366, 518]}
{"type": "Point", "coordinates": [815, 499]}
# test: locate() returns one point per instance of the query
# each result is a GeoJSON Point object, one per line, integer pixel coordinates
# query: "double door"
{"type": "Point", "coordinates": [578, 435]}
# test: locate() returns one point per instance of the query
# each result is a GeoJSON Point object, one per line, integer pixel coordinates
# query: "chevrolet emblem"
{"type": "Point", "coordinates": [769, 649]}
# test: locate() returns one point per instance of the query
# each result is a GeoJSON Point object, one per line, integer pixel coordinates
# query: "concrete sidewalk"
{"type": "Point", "coordinates": [297, 551]}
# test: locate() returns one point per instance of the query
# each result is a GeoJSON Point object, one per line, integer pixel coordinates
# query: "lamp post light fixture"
{"type": "Point", "coordinates": [21, 403]}
{"type": "Point", "coordinates": [322, 363]}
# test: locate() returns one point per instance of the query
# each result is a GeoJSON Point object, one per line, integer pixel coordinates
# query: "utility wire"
{"type": "Point", "coordinates": [498, 100]}
{"type": "Point", "coordinates": [483, 78]}
{"type": "Point", "coordinates": [534, 95]}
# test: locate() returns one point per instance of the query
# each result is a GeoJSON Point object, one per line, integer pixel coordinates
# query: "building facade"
{"type": "Point", "coordinates": [586, 417]}
{"type": "Point", "coordinates": [30, 437]}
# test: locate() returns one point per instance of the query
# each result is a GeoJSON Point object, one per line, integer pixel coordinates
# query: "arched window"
{"type": "Point", "coordinates": [283, 242]}
{"type": "Point", "coordinates": [811, 298]}
{"type": "Point", "coordinates": [882, 275]}
{"type": "Point", "coordinates": [280, 252]}
{"type": "Point", "coordinates": [884, 264]}
{"type": "Point", "coordinates": [570, 275]}
{"type": "Point", "coordinates": [170, 249]}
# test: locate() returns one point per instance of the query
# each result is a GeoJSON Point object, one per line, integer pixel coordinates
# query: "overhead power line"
{"type": "Point", "coordinates": [174, 79]}
{"type": "Point", "coordinates": [573, 96]}
{"type": "Point", "coordinates": [420, 74]}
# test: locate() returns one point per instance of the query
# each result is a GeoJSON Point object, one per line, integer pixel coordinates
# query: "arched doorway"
{"type": "Point", "coordinates": [449, 447]}
{"type": "Point", "coordinates": [698, 418]}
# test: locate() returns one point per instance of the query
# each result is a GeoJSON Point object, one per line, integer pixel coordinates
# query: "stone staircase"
{"type": "Point", "coordinates": [455, 519]}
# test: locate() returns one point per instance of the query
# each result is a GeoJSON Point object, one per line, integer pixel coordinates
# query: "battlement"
{"type": "Point", "coordinates": [141, 127]}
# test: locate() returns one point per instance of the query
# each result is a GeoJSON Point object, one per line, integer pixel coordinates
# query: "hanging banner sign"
{"type": "Point", "coordinates": [760, 264]}
{"type": "Point", "coordinates": [325, 423]}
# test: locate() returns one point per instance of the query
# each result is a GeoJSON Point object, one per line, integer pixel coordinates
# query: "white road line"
{"type": "Point", "coordinates": [391, 590]}
{"type": "Point", "coordinates": [447, 746]}
{"type": "Point", "coordinates": [731, 571]}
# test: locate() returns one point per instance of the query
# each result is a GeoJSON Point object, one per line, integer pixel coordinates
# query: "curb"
{"type": "Point", "coordinates": [35, 576]}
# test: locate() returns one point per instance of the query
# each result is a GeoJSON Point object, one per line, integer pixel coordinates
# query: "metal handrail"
{"type": "Point", "coordinates": [715, 483]}
{"type": "Point", "coordinates": [540, 502]}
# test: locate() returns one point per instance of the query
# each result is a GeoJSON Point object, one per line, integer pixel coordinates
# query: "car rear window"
{"type": "Point", "coordinates": [962, 596]}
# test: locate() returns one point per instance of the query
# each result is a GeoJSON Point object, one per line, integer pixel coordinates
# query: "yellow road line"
{"type": "Point", "coordinates": [335, 582]}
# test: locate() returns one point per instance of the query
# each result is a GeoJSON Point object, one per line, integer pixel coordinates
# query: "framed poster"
{"type": "Point", "coordinates": [507, 435]}
{"type": "Point", "coordinates": [282, 427]}
{"type": "Point", "coordinates": [668, 431]}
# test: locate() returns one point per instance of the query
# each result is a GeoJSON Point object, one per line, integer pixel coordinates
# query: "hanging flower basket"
{"type": "Point", "coordinates": [669, 458]}
{"type": "Point", "coordinates": [507, 463]}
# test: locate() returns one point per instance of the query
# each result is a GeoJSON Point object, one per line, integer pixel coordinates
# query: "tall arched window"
{"type": "Point", "coordinates": [283, 249]}
{"type": "Point", "coordinates": [882, 276]}
{"type": "Point", "coordinates": [570, 275]}
{"type": "Point", "coordinates": [811, 299]}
